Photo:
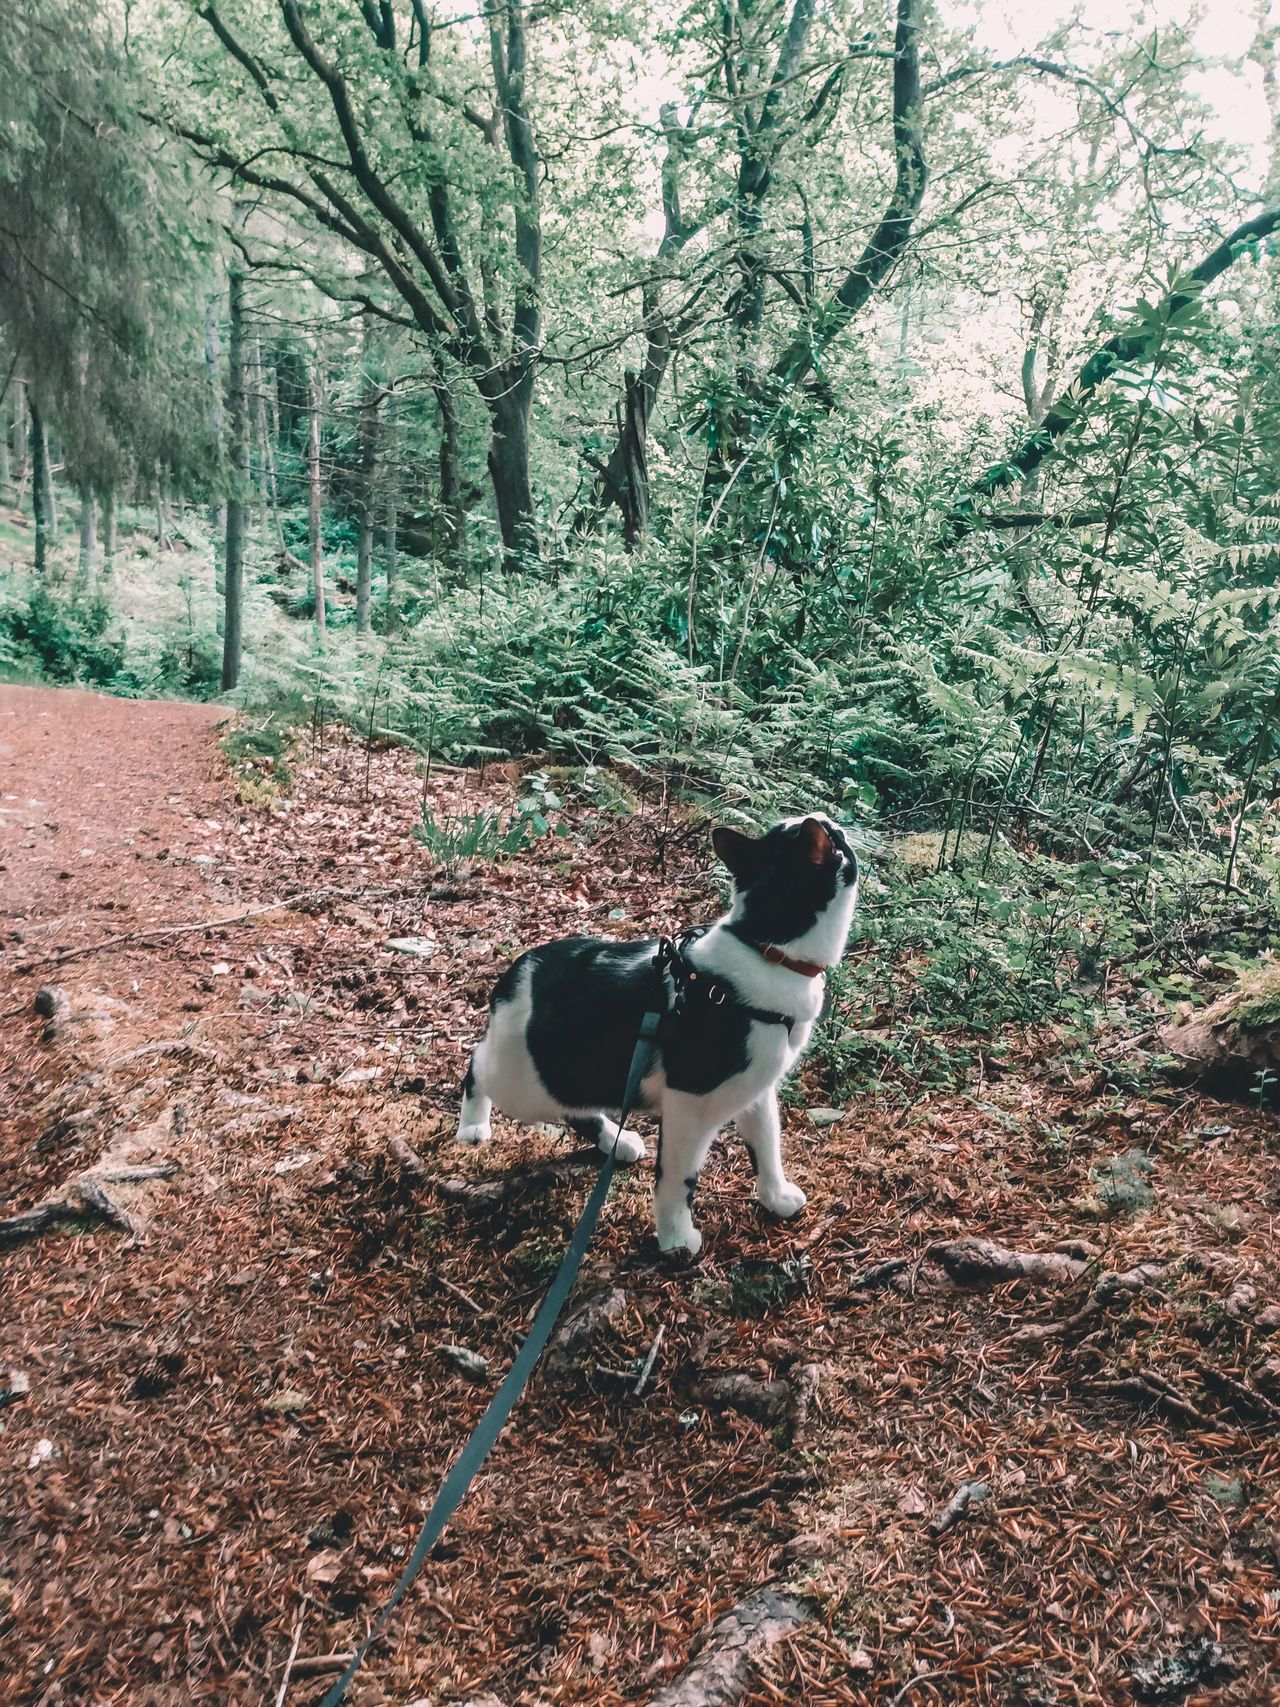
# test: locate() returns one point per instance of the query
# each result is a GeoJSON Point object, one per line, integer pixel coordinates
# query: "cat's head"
{"type": "Point", "coordinates": [796, 884]}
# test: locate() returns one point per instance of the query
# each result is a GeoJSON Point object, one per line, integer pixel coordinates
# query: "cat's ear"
{"type": "Point", "coordinates": [816, 841]}
{"type": "Point", "coordinates": [740, 853]}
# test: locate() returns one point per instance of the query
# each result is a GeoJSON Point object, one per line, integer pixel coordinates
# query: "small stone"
{"type": "Point", "coordinates": [421, 947]}
{"type": "Point", "coordinates": [287, 1401]}
{"type": "Point", "coordinates": [290, 1164]}
{"type": "Point", "coordinates": [803, 1549]}
{"type": "Point", "coordinates": [1241, 1302]}
{"type": "Point", "coordinates": [19, 1383]}
{"type": "Point", "coordinates": [825, 1116]}
{"type": "Point", "coordinates": [467, 1362]}
{"type": "Point", "coordinates": [219, 969]}
{"type": "Point", "coordinates": [1268, 1321]}
{"type": "Point", "coordinates": [44, 1452]}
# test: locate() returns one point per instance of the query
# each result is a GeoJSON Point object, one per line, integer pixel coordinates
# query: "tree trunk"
{"type": "Point", "coordinates": [315, 544]}
{"type": "Point", "coordinates": [268, 491]}
{"type": "Point", "coordinates": [21, 443]}
{"type": "Point", "coordinates": [633, 442]}
{"type": "Point", "coordinates": [108, 531]}
{"type": "Point", "coordinates": [237, 413]}
{"type": "Point", "coordinates": [509, 471]}
{"type": "Point", "coordinates": [451, 474]}
{"type": "Point", "coordinates": [217, 505]}
{"type": "Point", "coordinates": [41, 487]}
{"type": "Point", "coordinates": [892, 236]}
{"type": "Point", "coordinates": [390, 540]}
{"type": "Point", "coordinates": [368, 487]}
{"type": "Point", "coordinates": [162, 513]}
{"type": "Point", "coordinates": [88, 536]}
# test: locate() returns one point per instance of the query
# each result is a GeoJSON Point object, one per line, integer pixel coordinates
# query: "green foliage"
{"type": "Point", "coordinates": [455, 839]}
{"type": "Point", "coordinates": [758, 1284]}
{"type": "Point", "coordinates": [1124, 1183]}
{"type": "Point", "coordinates": [258, 751]}
{"type": "Point", "coordinates": [62, 639]}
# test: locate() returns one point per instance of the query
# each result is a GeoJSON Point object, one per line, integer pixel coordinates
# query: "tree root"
{"type": "Point", "coordinates": [981, 1261]}
{"type": "Point", "coordinates": [725, 1665]}
{"type": "Point", "coordinates": [82, 1200]}
{"type": "Point", "coordinates": [1107, 1290]}
{"type": "Point", "coordinates": [1150, 1388]}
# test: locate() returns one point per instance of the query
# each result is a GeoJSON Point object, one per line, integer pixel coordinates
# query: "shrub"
{"type": "Point", "coordinates": [64, 640]}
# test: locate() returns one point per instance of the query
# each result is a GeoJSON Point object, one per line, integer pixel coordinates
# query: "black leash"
{"type": "Point", "coordinates": [688, 985]}
{"type": "Point", "coordinates": [467, 1464]}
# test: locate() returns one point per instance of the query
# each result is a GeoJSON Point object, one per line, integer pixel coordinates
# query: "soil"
{"type": "Point", "coordinates": [224, 1413]}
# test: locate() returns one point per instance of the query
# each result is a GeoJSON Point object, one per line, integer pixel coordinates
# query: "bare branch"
{"type": "Point", "coordinates": [892, 235]}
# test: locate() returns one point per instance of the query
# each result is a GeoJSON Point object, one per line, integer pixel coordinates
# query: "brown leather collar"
{"type": "Point", "coordinates": [775, 957]}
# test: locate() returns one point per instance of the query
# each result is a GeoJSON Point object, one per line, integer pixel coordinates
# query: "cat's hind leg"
{"type": "Point", "coordinates": [477, 1105]}
{"type": "Point", "coordinates": [627, 1146]}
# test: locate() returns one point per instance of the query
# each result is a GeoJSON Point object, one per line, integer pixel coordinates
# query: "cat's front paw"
{"type": "Point", "coordinates": [628, 1148]}
{"type": "Point", "coordinates": [476, 1132]}
{"type": "Point", "coordinates": [784, 1200]}
{"type": "Point", "coordinates": [680, 1238]}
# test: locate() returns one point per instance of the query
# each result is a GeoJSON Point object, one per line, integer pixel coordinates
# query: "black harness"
{"type": "Point", "coordinates": [691, 987]}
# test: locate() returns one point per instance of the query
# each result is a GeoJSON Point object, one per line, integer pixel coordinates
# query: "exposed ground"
{"type": "Point", "coordinates": [225, 1408]}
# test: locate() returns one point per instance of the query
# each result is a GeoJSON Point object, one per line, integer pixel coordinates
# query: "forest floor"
{"type": "Point", "coordinates": [225, 1407]}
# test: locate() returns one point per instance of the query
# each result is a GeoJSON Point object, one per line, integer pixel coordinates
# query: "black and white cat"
{"type": "Point", "coordinates": [564, 1020]}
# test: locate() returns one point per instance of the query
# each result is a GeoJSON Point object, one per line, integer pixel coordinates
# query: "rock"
{"type": "Point", "coordinates": [763, 1401]}
{"type": "Point", "coordinates": [825, 1116]}
{"type": "Point", "coordinates": [805, 1549]}
{"type": "Point", "coordinates": [50, 1001]}
{"type": "Point", "coordinates": [1268, 1320]}
{"type": "Point", "coordinates": [1198, 1661]}
{"type": "Point", "coordinates": [54, 1006]}
{"type": "Point", "coordinates": [580, 1331]}
{"type": "Point", "coordinates": [1242, 1302]}
{"type": "Point", "coordinates": [288, 1401]}
{"type": "Point", "coordinates": [467, 1362]}
{"type": "Point", "coordinates": [421, 947]}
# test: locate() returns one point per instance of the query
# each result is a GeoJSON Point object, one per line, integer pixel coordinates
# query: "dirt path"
{"type": "Point", "coordinates": [227, 1413]}
{"type": "Point", "coordinates": [94, 794]}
